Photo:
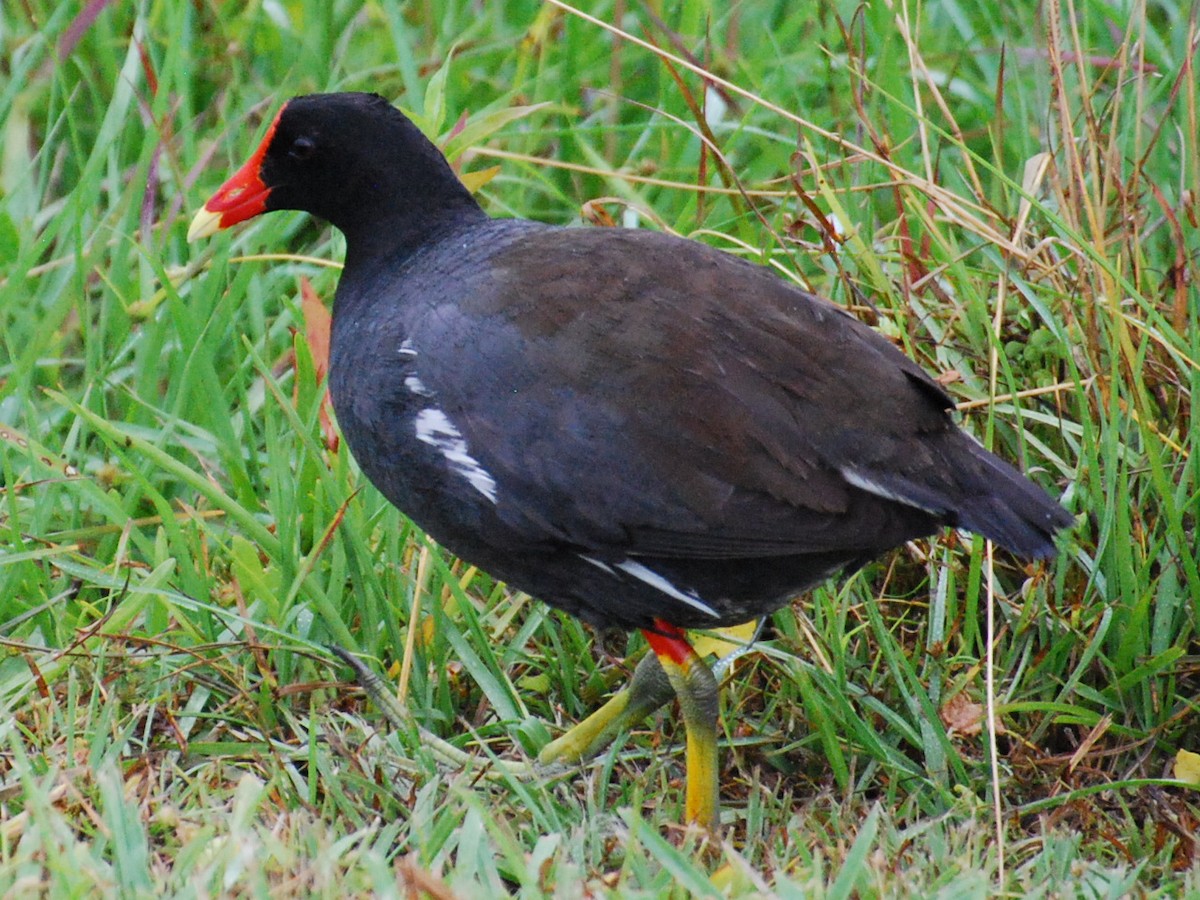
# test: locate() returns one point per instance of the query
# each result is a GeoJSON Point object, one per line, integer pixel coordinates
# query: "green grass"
{"type": "Point", "coordinates": [1017, 205]}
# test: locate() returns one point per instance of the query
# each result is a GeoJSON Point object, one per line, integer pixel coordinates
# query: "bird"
{"type": "Point", "coordinates": [639, 429]}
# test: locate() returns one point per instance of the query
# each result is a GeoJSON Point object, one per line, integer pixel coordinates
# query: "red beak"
{"type": "Point", "coordinates": [241, 197]}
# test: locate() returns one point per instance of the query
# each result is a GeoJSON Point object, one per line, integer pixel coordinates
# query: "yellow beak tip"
{"type": "Point", "coordinates": [204, 224]}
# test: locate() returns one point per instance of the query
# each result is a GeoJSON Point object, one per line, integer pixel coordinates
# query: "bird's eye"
{"type": "Point", "coordinates": [302, 148]}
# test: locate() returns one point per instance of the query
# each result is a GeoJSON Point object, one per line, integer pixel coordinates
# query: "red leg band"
{"type": "Point", "coordinates": [668, 641]}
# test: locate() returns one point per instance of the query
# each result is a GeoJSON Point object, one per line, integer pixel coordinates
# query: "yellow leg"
{"type": "Point", "coordinates": [648, 690]}
{"type": "Point", "coordinates": [696, 689]}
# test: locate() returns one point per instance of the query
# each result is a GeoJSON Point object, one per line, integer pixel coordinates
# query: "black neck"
{"type": "Point", "coordinates": [398, 234]}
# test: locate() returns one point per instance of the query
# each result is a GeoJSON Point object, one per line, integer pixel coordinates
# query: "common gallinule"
{"type": "Point", "coordinates": [638, 429]}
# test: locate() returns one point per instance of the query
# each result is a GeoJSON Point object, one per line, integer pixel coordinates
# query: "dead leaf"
{"type": "Point", "coordinates": [720, 642]}
{"type": "Point", "coordinates": [596, 214]}
{"type": "Point", "coordinates": [962, 715]}
{"type": "Point", "coordinates": [317, 326]}
{"type": "Point", "coordinates": [1187, 766]}
{"type": "Point", "coordinates": [475, 180]}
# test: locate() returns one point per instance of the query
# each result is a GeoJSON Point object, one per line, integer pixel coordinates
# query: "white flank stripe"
{"type": "Point", "coordinates": [656, 581]}
{"type": "Point", "coordinates": [406, 348]}
{"type": "Point", "coordinates": [435, 429]}
{"type": "Point", "coordinates": [865, 484]}
{"type": "Point", "coordinates": [417, 386]}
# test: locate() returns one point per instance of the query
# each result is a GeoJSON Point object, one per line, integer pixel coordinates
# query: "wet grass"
{"type": "Point", "coordinates": [1013, 202]}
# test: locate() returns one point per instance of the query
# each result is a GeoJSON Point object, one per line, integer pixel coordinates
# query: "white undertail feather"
{"type": "Point", "coordinates": [656, 581]}
{"type": "Point", "coordinates": [863, 483]}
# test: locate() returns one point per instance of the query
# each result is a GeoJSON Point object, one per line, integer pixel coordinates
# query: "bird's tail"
{"type": "Point", "coordinates": [968, 487]}
{"type": "Point", "coordinates": [1004, 505]}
